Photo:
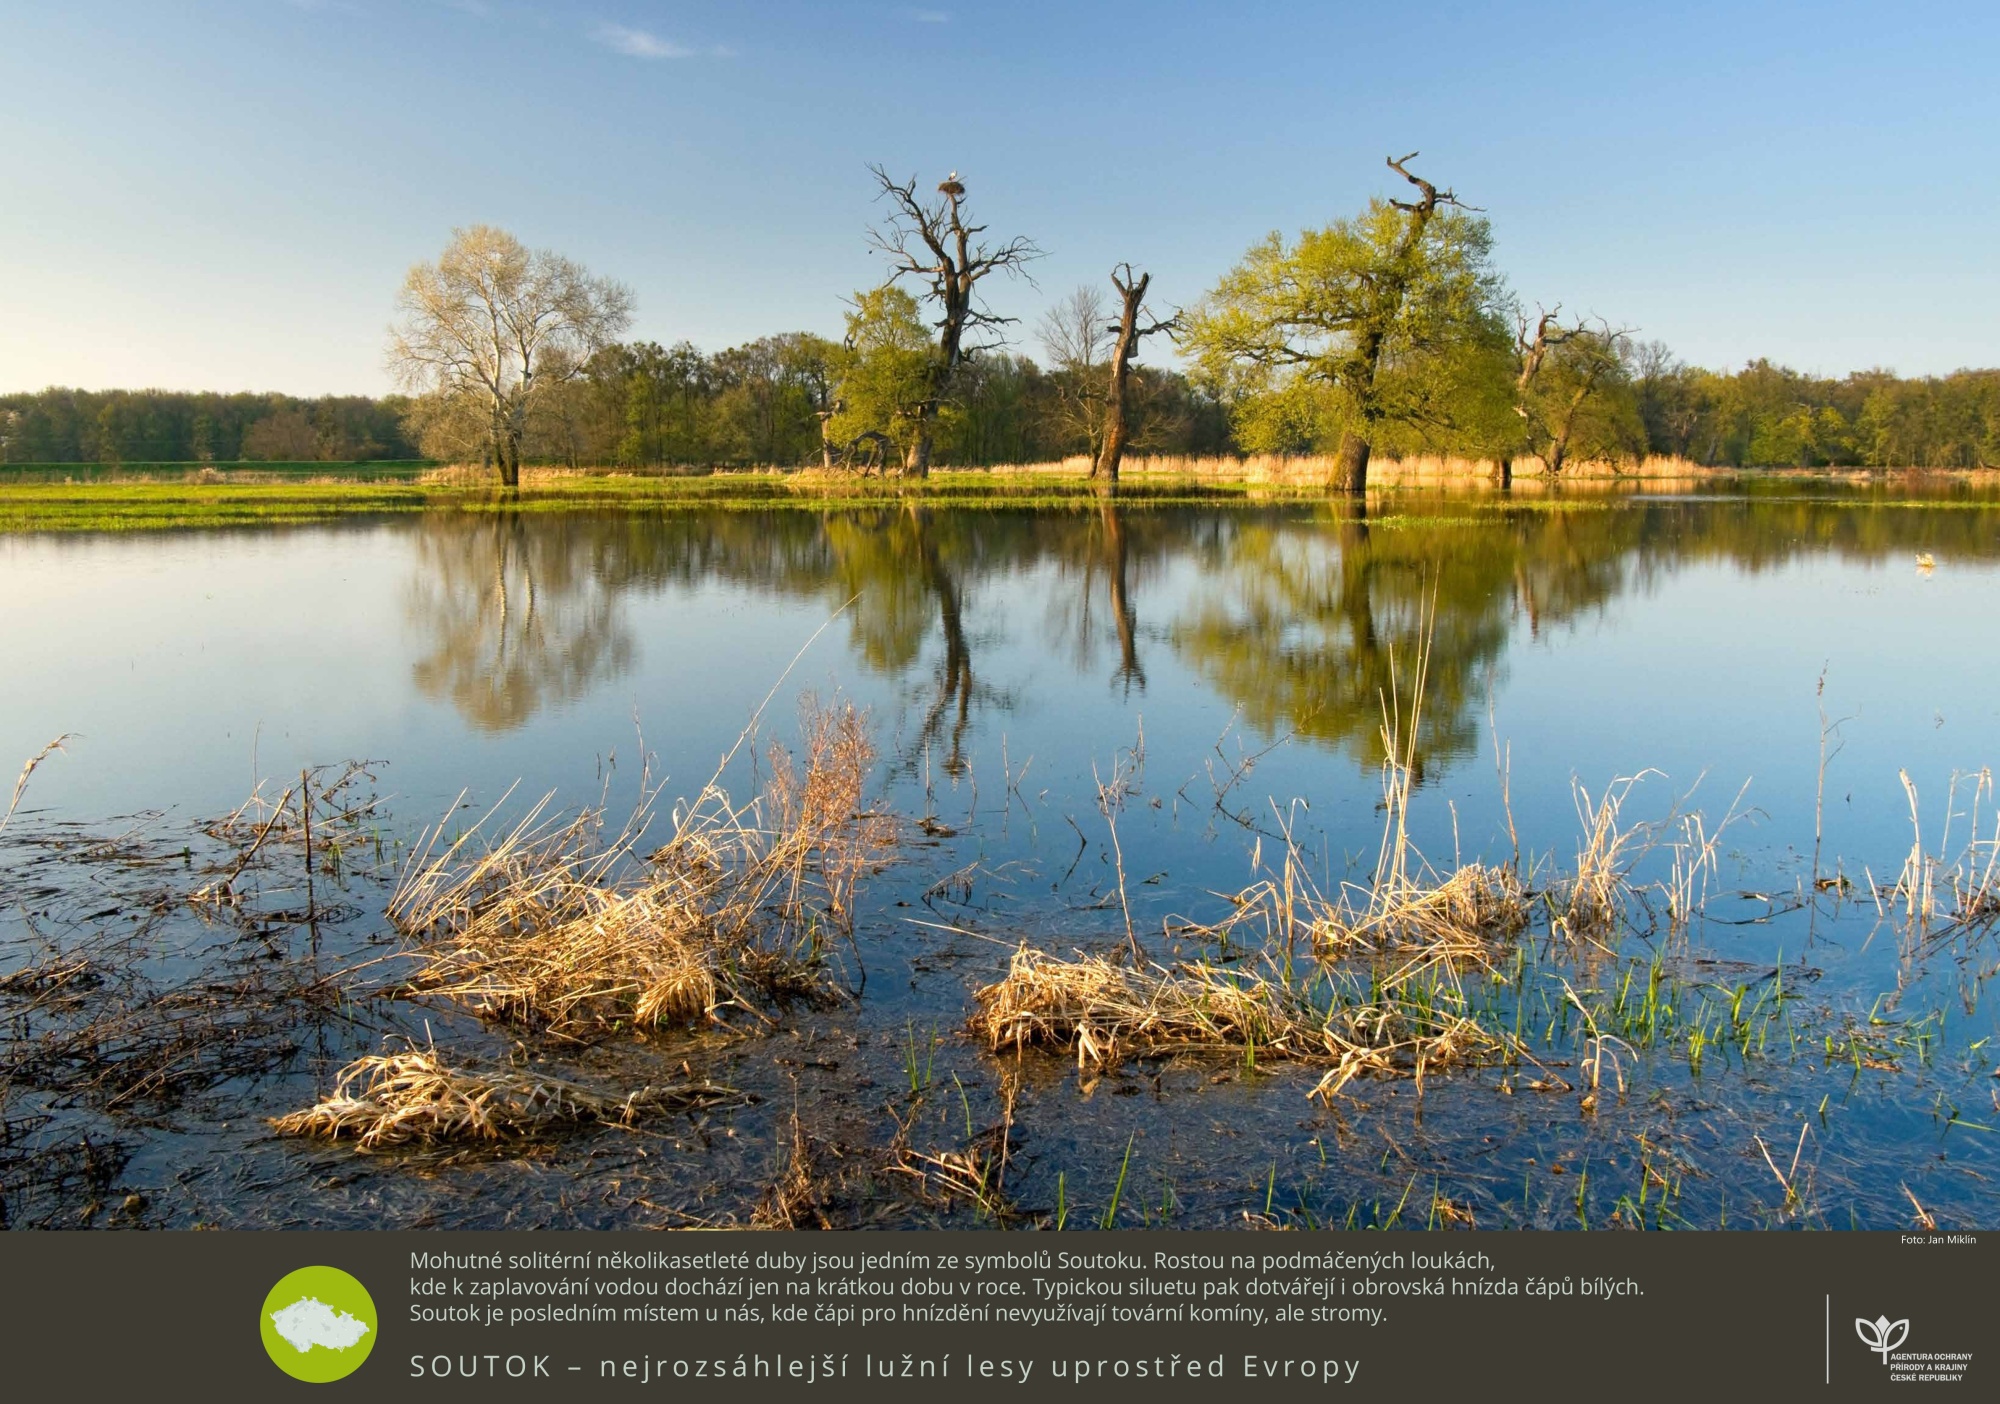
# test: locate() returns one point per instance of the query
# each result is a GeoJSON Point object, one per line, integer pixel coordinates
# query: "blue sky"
{"type": "Point", "coordinates": [226, 196]}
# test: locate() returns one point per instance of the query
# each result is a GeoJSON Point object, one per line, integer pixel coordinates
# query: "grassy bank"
{"type": "Point", "coordinates": [129, 503]}
{"type": "Point", "coordinates": [138, 506]}
{"type": "Point", "coordinates": [379, 470]}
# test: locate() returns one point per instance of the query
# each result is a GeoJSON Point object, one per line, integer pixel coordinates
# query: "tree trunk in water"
{"type": "Point", "coordinates": [1503, 472]}
{"type": "Point", "coordinates": [1350, 464]}
{"type": "Point", "coordinates": [955, 674]}
{"type": "Point", "coordinates": [1129, 671]}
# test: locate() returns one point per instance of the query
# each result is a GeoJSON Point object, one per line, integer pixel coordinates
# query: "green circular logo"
{"type": "Point", "coordinates": [318, 1324]}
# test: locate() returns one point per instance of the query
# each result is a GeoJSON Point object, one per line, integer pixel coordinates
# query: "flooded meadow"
{"type": "Point", "coordinates": [1608, 859]}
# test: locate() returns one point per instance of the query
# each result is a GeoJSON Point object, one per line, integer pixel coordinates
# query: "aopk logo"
{"type": "Point", "coordinates": [1882, 1335]}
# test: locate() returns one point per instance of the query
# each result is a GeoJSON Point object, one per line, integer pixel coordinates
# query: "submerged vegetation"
{"type": "Point", "coordinates": [1566, 983]}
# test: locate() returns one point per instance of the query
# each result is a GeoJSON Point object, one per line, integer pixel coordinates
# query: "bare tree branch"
{"type": "Point", "coordinates": [933, 243]}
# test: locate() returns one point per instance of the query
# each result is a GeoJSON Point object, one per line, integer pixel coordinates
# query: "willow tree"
{"type": "Point", "coordinates": [492, 323]}
{"type": "Point", "coordinates": [1372, 309]}
{"type": "Point", "coordinates": [932, 244]}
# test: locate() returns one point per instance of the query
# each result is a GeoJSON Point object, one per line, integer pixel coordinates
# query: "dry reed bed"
{"type": "Point", "coordinates": [1314, 470]}
{"type": "Point", "coordinates": [400, 1099]}
{"type": "Point", "coordinates": [563, 926]}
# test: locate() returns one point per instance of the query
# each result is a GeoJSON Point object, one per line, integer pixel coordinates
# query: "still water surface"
{"type": "Point", "coordinates": [1241, 657]}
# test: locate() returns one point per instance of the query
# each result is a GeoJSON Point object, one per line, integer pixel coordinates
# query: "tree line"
{"type": "Point", "coordinates": [1391, 331]}
{"type": "Point", "coordinates": [176, 426]}
{"type": "Point", "coordinates": [645, 406]}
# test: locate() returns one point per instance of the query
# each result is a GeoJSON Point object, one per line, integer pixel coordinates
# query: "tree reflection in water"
{"type": "Point", "coordinates": [1297, 616]}
{"type": "Point", "coordinates": [512, 615]}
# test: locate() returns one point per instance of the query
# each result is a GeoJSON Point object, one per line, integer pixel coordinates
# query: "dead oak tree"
{"type": "Point", "coordinates": [1124, 349]}
{"type": "Point", "coordinates": [933, 244]}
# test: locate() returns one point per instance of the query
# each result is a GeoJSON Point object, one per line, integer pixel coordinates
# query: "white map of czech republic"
{"type": "Point", "coordinates": [310, 1322]}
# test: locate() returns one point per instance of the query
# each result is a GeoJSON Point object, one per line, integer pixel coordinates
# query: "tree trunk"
{"type": "Point", "coordinates": [1503, 472]}
{"type": "Point", "coordinates": [510, 461]}
{"type": "Point", "coordinates": [1350, 464]}
{"type": "Point", "coordinates": [1559, 440]}
{"type": "Point", "coordinates": [917, 462]}
{"type": "Point", "coordinates": [1132, 293]}
{"type": "Point", "coordinates": [1104, 472]}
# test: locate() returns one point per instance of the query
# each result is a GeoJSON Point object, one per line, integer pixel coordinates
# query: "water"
{"type": "Point", "coordinates": [1233, 662]}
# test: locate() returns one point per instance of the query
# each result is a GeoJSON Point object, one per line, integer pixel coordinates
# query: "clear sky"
{"type": "Point", "coordinates": [226, 195]}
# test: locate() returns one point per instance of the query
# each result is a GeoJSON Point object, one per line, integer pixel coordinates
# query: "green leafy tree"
{"type": "Point", "coordinates": [1364, 316]}
{"type": "Point", "coordinates": [885, 371]}
{"type": "Point", "coordinates": [770, 394]}
{"type": "Point", "coordinates": [1574, 394]}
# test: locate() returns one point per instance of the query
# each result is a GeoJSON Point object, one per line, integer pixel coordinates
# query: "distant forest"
{"type": "Point", "coordinates": [641, 405]}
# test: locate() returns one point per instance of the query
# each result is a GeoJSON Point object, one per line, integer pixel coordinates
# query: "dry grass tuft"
{"type": "Point", "coordinates": [399, 1099]}
{"type": "Point", "coordinates": [1410, 930]}
{"type": "Point", "coordinates": [1411, 926]}
{"type": "Point", "coordinates": [1592, 901]}
{"type": "Point", "coordinates": [1944, 895]}
{"type": "Point", "coordinates": [796, 1199]}
{"type": "Point", "coordinates": [21, 782]}
{"type": "Point", "coordinates": [974, 1174]}
{"type": "Point", "coordinates": [557, 925]}
{"type": "Point", "coordinates": [1105, 1010]}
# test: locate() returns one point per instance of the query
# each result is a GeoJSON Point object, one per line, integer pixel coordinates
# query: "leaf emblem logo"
{"type": "Point", "coordinates": [1881, 1335]}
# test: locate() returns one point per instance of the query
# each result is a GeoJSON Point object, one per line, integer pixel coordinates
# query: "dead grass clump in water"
{"type": "Point", "coordinates": [558, 926]}
{"type": "Point", "coordinates": [1105, 1010]}
{"type": "Point", "coordinates": [1420, 921]}
{"type": "Point", "coordinates": [398, 1099]}
{"type": "Point", "coordinates": [796, 1199]}
{"type": "Point", "coordinates": [1942, 896]}
{"type": "Point", "coordinates": [974, 1174]}
{"type": "Point", "coordinates": [1590, 904]}
{"type": "Point", "coordinates": [331, 815]}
